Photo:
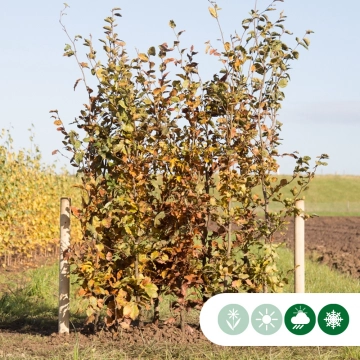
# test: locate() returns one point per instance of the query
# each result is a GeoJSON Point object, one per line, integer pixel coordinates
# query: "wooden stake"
{"type": "Point", "coordinates": [299, 260]}
{"type": "Point", "coordinates": [64, 268]}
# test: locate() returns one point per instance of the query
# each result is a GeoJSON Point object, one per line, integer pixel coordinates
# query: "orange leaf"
{"type": "Point", "coordinates": [75, 211]}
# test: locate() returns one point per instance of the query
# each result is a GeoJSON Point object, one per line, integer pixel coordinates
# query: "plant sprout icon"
{"type": "Point", "coordinates": [233, 314]}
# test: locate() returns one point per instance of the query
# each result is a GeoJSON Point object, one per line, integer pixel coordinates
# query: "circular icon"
{"type": "Point", "coordinates": [266, 319]}
{"type": "Point", "coordinates": [233, 319]}
{"type": "Point", "coordinates": [300, 319]}
{"type": "Point", "coordinates": [333, 319]}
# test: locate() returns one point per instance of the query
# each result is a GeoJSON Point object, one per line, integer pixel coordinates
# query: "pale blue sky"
{"type": "Point", "coordinates": [321, 110]}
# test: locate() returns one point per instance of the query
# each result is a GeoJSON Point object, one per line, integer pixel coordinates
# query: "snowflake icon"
{"type": "Point", "coordinates": [333, 319]}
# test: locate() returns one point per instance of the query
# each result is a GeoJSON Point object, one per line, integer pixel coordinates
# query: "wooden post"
{"type": "Point", "coordinates": [64, 268]}
{"type": "Point", "coordinates": [299, 259]}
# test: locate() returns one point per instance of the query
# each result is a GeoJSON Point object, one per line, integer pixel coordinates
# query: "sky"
{"type": "Point", "coordinates": [320, 113]}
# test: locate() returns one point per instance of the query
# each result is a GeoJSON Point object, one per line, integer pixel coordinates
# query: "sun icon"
{"type": "Point", "coordinates": [266, 319]}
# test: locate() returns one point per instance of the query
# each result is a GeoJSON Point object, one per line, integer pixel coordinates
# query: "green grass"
{"type": "Point", "coordinates": [328, 195]}
{"type": "Point", "coordinates": [31, 298]}
{"type": "Point", "coordinates": [332, 195]}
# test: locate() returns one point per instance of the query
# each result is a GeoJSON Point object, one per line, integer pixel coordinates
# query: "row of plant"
{"type": "Point", "coordinates": [147, 181]}
{"type": "Point", "coordinates": [29, 203]}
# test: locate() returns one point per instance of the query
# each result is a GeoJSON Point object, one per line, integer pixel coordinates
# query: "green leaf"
{"type": "Point", "coordinates": [158, 217]}
{"type": "Point", "coordinates": [122, 104]}
{"type": "Point", "coordinates": [89, 311]}
{"type": "Point", "coordinates": [77, 144]}
{"type": "Point", "coordinates": [295, 54]}
{"type": "Point", "coordinates": [151, 51]}
{"type": "Point", "coordinates": [93, 302]}
{"type": "Point", "coordinates": [79, 157]}
{"type": "Point", "coordinates": [128, 128]}
{"type": "Point", "coordinates": [283, 83]}
{"type": "Point", "coordinates": [151, 290]}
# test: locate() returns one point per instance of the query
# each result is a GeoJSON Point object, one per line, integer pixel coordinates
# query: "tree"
{"type": "Point", "coordinates": [151, 188]}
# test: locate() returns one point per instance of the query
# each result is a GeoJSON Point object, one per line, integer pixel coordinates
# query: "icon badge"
{"type": "Point", "coordinates": [266, 319]}
{"type": "Point", "coordinates": [333, 319]}
{"type": "Point", "coordinates": [300, 319]}
{"type": "Point", "coordinates": [233, 319]}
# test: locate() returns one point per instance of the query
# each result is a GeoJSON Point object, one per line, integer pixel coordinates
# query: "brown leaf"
{"type": "Point", "coordinates": [76, 83]}
{"type": "Point", "coordinates": [109, 321]}
{"type": "Point", "coordinates": [169, 321]}
{"type": "Point", "coordinates": [190, 278]}
{"type": "Point", "coordinates": [189, 329]}
{"type": "Point", "coordinates": [183, 289]}
{"type": "Point", "coordinates": [54, 152]}
{"type": "Point", "coordinates": [124, 325]}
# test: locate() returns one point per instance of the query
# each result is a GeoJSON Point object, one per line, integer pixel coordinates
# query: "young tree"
{"type": "Point", "coordinates": [151, 188]}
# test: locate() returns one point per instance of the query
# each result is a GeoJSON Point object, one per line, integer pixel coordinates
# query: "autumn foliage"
{"type": "Point", "coordinates": [29, 203]}
{"type": "Point", "coordinates": [151, 186]}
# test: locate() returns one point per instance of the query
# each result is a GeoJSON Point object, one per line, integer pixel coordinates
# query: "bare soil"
{"type": "Point", "coordinates": [334, 241]}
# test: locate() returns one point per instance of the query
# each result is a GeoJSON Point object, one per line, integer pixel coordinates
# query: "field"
{"type": "Point", "coordinates": [28, 324]}
{"type": "Point", "coordinates": [28, 298]}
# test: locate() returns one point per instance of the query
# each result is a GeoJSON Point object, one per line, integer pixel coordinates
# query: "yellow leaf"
{"type": "Point", "coordinates": [131, 310]}
{"type": "Point", "coordinates": [99, 247]}
{"type": "Point", "coordinates": [57, 122]}
{"type": "Point", "coordinates": [237, 64]}
{"type": "Point", "coordinates": [143, 57]}
{"type": "Point", "coordinates": [213, 201]}
{"type": "Point", "coordinates": [213, 12]}
{"type": "Point", "coordinates": [154, 255]}
{"type": "Point", "coordinates": [227, 46]}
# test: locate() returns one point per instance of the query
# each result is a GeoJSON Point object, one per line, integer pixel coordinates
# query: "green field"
{"type": "Point", "coordinates": [328, 195]}
{"type": "Point", "coordinates": [333, 195]}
